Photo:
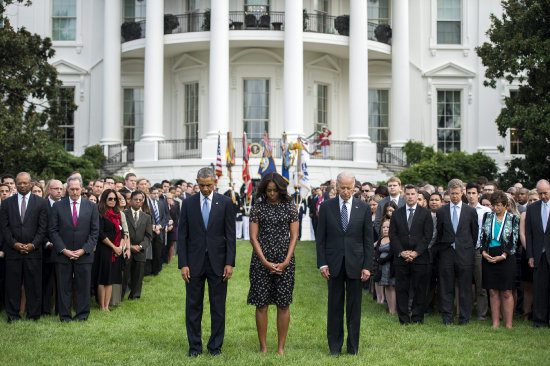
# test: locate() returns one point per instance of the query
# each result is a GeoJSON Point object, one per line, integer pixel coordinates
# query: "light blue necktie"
{"type": "Point", "coordinates": [455, 221]}
{"type": "Point", "coordinates": [344, 214]}
{"type": "Point", "coordinates": [544, 216]}
{"type": "Point", "coordinates": [205, 212]}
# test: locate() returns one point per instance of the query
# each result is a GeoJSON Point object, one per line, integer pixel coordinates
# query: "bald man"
{"type": "Point", "coordinates": [24, 222]}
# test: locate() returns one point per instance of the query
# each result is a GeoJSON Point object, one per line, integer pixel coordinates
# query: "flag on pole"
{"type": "Point", "coordinates": [286, 158]}
{"type": "Point", "coordinates": [247, 180]}
{"type": "Point", "coordinates": [218, 172]}
{"type": "Point", "coordinates": [302, 174]}
{"type": "Point", "coordinates": [267, 164]}
{"type": "Point", "coordinates": [229, 163]}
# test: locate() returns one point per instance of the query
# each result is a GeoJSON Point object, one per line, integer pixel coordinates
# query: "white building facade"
{"type": "Point", "coordinates": [156, 81]}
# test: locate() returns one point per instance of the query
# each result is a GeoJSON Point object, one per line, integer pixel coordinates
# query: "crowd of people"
{"type": "Point", "coordinates": [416, 248]}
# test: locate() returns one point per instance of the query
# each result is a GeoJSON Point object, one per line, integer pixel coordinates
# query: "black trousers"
{"type": "Point", "coordinates": [133, 278]}
{"type": "Point", "coordinates": [343, 290]}
{"type": "Point", "coordinates": [415, 276]}
{"type": "Point", "coordinates": [29, 272]}
{"type": "Point", "coordinates": [77, 276]}
{"type": "Point", "coordinates": [2, 282]}
{"type": "Point", "coordinates": [217, 293]}
{"type": "Point", "coordinates": [541, 293]}
{"type": "Point", "coordinates": [157, 244]}
{"type": "Point", "coordinates": [48, 284]}
{"type": "Point", "coordinates": [449, 272]}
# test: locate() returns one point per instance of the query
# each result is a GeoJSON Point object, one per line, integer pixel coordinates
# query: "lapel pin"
{"type": "Point", "coordinates": [216, 203]}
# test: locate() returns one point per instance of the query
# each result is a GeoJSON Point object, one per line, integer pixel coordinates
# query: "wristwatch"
{"type": "Point", "coordinates": [141, 247]}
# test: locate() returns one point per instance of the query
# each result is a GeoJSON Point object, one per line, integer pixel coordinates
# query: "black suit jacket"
{"type": "Point", "coordinates": [417, 238]}
{"type": "Point", "coordinates": [64, 235]}
{"type": "Point", "coordinates": [400, 203]}
{"type": "Point", "coordinates": [140, 232]}
{"type": "Point", "coordinates": [535, 237]}
{"type": "Point", "coordinates": [33, 230]}
{"type": "Point", "coordinates": [164, 213]}
{"type": "Point", "coordinates": [466, 235]}
{"type": "Point", "coordinates": [218, 238]}
{"type": "Point", "coordinates": [354, 245]}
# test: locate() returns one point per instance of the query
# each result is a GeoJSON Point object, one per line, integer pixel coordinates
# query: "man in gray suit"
{"type": "Point", "coordinates": [74, 228]}
{"type": "Point", "coordinates": [457, 233]}
{"type": "Point", "coordinates": [537, 238]}
{"type": "Point", "coordinates": [140, 230]}
{"type": "Point", "coordinates": [344, 257]}
{"type": "Point", "coordinates": [394, 187]}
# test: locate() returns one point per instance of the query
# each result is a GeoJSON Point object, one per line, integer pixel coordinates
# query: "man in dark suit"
{"type": "Point", "coordinates": [312, 205]}
{"type": "Point", "coordinates": [74, 228]}
{"type": "Point", "coordinates": [394, 188]}
{"type": "Point", "coordinates": [160, 218]}
{"type": "Point", "coordinates": [140, 230]}
{"type": "Point", "coordinates": [206, 251]}
{"type": "Point", "coordinates": [537, 235]}
{"type": "Point", "coordinates": [411, 229]}
{"type": "Point", "coordinates": [24, 222]}
{"type": "Point", "coordinates": [344, 257]}
{"type": "Point", "coordinates": [457, 233]}
{"type": "Point", "coordinates": [55, 191]}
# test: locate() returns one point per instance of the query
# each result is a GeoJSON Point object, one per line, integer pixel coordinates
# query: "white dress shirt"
{"type": "Point", "coordinates": [209, 200]}
{"type": "Point", "coordinates": [347, 203]}
{"type": "Point", "coordinates": [20, 200]}
{"type": "Point", "coordinates": [78, 201]}
{"type": "Point", "coordinates": [409, 212]}
{"type": "Point", "coordinates": [458, 209]}
{"type": "Point", "coordinates": [481, 211]}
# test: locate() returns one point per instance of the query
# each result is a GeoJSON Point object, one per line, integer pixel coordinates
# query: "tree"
{"type": "Point", "coordinates": [31, 107]}
{"type": "Point", "coordinates": [519, 50]}
{"type": "Point", "coordinates": [439, 169]}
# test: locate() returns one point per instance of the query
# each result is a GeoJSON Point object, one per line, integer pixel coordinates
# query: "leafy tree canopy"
{"type": "Point", "coordinates": [33, 104]}
{"type": "Point", "coordinates": [519, 50]}
{"type": "Point", "coordinates": [439, 169]}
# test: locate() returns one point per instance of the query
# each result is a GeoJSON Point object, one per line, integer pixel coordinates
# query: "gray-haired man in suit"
{"type": "Point", "coordinates": [74, 228]}
{"type": "Point", "coordinates": [140, 231]}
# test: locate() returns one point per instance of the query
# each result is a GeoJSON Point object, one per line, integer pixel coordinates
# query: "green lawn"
{"type": "Point", "coordinates": [152, 331]}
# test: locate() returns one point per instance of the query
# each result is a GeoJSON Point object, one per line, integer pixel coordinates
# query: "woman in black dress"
{"type": "Point", "coordinates": [108, 254]}
{"type": "Point", "coordinates": [499, 239]}
{"type": "Point", "coordinates": [273, 235]}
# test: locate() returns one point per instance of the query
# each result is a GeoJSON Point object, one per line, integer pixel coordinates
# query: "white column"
{"type": "Point", "coordinates": [154, 71]}
{"type": "Point", "coordinates": [218, 83]}
{"type": "Point", "coordinates": [363, 151]}
{"type": "Point", "coordinates": [294, 69]}
{"type": "Point", "coordinates": [112, 101]}
{"type": "Point", "coordinates": [218, 80]}
{"type": "Point", "coordinates": [400, 88]}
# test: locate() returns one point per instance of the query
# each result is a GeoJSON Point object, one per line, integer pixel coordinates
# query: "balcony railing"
{"type": "Point", "coordinates": [378, 29]}
{"type": "Point", "coordinates": [180, 149]}
{"type": "Point", "coordinates": [391, 155]}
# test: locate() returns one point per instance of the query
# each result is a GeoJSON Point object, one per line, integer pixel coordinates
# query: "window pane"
{"type": "Point", "coordinates": [378, 116]}
{"type": "Point", "coordinates": [132, 120]}
{"type": "Point", "coordinates": [64, 8]}
{"type": "Point", "coordinates": [448, 120]}
{"type": "Point", "coordinates": [256, 108]}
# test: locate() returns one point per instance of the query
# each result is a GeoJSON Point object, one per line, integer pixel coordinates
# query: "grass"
{"type": "Point", "coordinates": [152, 331]}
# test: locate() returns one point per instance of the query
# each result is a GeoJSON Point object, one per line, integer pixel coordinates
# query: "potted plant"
{"type": "Point", "coordinates": [341, 23]}
{"type": "Point", "coordinates": [383, 33]}
{"type": "Point", "coordinates": [170, 23]}
{"type": "Point", "coordinates": [306, 19]}
{"type": "Point", "coordinates": [206, 20]}
{"type": "Point", "coordinates": [130, 31]}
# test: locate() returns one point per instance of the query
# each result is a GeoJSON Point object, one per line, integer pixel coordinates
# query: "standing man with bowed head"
{"type": "Point", "coordinates": [457, 234]}
{"type": "Point", "coordinates": [411, 230]}
{"type": "Point", "coordinates": [206, 251]}
{"type": "Point", "coordinates": [537, 237]}
{"type": "Point", "coordinates": [24, 226]}
{"type": "Point", "coordinates": [74, 228]}
{"type": "Point", "coordinates": [344, 257]}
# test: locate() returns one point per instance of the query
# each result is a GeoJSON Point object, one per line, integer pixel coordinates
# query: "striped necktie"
{"type": "Point", "coordinates": [344, 214]}
{"type": "Point", "coordinates": [75, 214]}
{"type": "Point", "coordinates": [156, 212]}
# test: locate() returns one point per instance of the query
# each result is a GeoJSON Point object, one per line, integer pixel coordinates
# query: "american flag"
{"type": "Point", "coordinates": [267, 145]}
{"type": "Point", "coordinates": [219, 172]}
{"type": "Point", "coordinates": [246, 175]}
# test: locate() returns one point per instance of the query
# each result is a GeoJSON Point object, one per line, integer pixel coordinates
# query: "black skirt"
{"type": "Point", "coordinates": [499, 276]}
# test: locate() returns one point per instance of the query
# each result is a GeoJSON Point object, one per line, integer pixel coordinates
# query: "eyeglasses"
{"type": "Point", "coordinates": [111, 199]}
{"type": "Point", "coordinates": [365, 190]}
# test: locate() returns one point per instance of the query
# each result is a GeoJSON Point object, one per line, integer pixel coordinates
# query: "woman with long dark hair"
{"type": "Point", "coordinates": [273, 235]}
{"type": "Point", "coordinates": [108, 255]}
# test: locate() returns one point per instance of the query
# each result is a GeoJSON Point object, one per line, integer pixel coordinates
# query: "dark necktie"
{"type": "Point", "coordinates": [23, 209]}
{"type": "Point", "coordinates": [410, 219]}
{"type": "Point", "coordinates": [344, 215]}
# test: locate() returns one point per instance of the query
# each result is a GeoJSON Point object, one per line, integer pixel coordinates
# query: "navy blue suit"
{"type": "Point", "coordinates": [206, 251]}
